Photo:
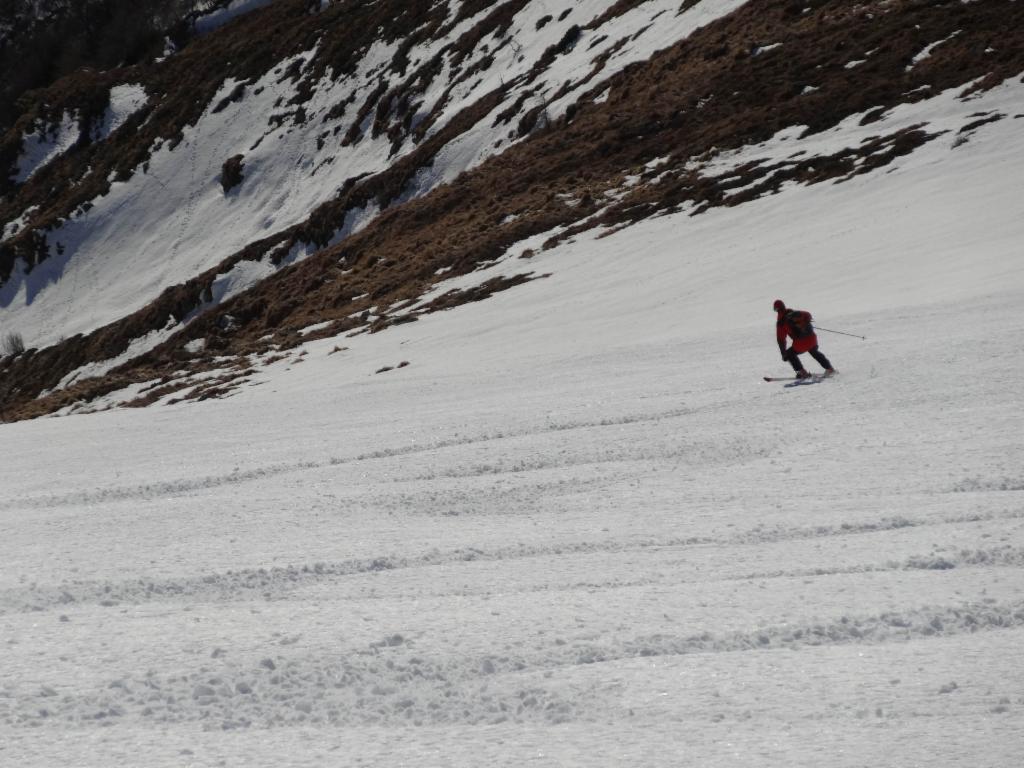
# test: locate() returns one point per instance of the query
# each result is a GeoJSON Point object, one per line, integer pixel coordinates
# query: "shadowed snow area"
{"type": "Point", "coordinates": [577, 528]}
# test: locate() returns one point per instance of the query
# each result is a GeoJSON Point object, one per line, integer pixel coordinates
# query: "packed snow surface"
{"type": "Point", "coordinates": [577, 528]}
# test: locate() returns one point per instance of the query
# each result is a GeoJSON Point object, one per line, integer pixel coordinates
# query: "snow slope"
{"type": "Point", "coordinates": [576, 529]}
{"type": "Point", "coordinates": [182, 223]}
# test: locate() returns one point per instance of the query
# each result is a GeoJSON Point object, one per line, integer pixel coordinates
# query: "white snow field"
{"type": "Point", "coordinates": [577, 528]}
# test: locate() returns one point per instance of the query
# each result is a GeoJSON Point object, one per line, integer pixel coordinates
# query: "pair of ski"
{"type": "Point", "coordinates": [814, 378]}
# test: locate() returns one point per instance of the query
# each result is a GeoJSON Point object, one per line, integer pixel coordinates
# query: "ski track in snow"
{"type": "Point", "coordinates": [389, 683]}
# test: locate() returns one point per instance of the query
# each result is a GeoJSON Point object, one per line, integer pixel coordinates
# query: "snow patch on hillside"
{"type": "Point", "coordinates": [242, 276]}
{"type": "Point", "coordinates": [246, 274]}
{"type": "Point", "coordinates": [125, 101]}
{"type": "Point", "coordinates": [44, 143]}
{"type": "Point", "coordinates": [12, 228]}
{"type": "Point", "coordinates": [949, 114]}
{"type": "Point", "coordinates": [214, 20]}
{"type": "Point", "coordinates": [137, 347]}
{"type": "Point", "coordinates": [926, 52]}
{"type": "Point", "coordinates": [646, 29]}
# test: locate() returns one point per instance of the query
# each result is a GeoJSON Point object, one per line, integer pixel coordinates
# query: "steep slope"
{"type": "Point", "coordinates": [568, 525]}
{"type": "Point", "coordinates": [576, 529]}
{"type": "Point", "coordinates": [327, 166]}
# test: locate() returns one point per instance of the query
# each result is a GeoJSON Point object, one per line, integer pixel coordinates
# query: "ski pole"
{"type": "Point", "coordinates": [841, 333]}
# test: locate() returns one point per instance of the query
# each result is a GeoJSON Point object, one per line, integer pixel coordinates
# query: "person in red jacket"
{"type": "Point", "coordinates": [796, 324]}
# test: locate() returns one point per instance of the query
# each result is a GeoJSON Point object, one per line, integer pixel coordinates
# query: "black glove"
{"type": "Point", "coordinates": [785, 354]}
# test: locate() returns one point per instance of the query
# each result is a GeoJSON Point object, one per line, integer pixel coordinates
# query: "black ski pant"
{"type": "Point", "coordinates": [794, 359]}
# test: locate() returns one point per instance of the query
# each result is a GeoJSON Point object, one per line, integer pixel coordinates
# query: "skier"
{"type": "Point", "coordinates": [796, 324]}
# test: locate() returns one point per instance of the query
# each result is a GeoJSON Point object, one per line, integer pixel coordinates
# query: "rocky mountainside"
{"type": "Point", "coordinates": [309, 169]}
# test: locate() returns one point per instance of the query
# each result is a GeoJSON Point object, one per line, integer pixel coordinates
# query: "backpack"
{"type": "Point", "coordinates": [799, 323]}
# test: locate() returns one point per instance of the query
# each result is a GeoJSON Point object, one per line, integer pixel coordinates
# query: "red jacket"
{"type": "Point", "coordinates": [796, 324]}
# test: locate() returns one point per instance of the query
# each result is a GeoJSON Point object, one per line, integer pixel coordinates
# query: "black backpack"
{"type": "Point", "coordinates": [799, 323]}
